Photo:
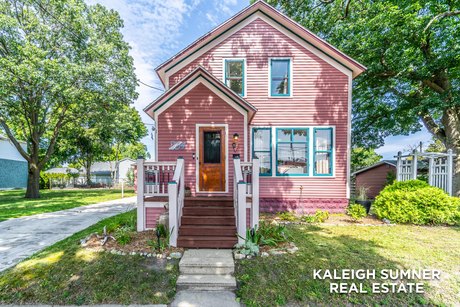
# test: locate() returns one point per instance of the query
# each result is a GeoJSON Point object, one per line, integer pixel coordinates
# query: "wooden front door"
{"type": "Point", "coordinates": [212, 159]}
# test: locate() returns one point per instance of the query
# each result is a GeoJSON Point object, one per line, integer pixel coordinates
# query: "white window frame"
{"type": "Point", "coordinates": [224, 60]}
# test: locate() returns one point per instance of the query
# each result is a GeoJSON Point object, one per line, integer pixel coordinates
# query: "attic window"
{"type": "Point", "coordinates": [280, 75]}
{"type": "Point", "coordinates": [234, 75]}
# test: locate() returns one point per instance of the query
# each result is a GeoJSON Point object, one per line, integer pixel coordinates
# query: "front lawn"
{"type": "Point", "coordinates": [13, 204]}
{"type": "Point", "coordinates": [279, 280]}
{"type": "Point", "coordinates": [69, 274]}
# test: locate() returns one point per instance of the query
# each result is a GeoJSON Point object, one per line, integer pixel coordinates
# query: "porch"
{"type": "Point", "coordinates": [212, 221]}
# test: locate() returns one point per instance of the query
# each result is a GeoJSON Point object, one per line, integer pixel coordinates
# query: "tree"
{"type": "Point", "coordinates": [362, 157]}
{"type": "Point", "coordinates": [436, 146]}
{"type": "Point", "coordinates": [411, 49]}
{"type": "Point", "coordinates": [59, 60]}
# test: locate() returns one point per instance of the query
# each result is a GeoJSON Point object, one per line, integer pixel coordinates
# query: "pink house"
{"type": "Point", "coordinates": [255, 118]}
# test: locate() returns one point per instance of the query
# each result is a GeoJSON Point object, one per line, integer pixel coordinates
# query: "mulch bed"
{"type": "Point", "coordinates": [333, 220]}
{"type": "Point", "coordinates": [138, 244]}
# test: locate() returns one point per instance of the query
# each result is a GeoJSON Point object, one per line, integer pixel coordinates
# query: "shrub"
{"type": "Point", "coordinates": [356, 211]}
{"type": "Point", "coordinates": [123, 235]}
{"type": "Point", "coordinates": [320, 216]}
{"type": "Point", "coordinates": [416, 202]}
{"type": "Point", "coordinates": [287, 216]}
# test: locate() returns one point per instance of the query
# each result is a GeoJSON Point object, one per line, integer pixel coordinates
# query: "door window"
{"type": "Point", "coordinates": [211, 150]}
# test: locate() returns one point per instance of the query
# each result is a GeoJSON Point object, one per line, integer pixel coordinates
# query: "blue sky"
{"type": "Point", "coordinates": [158, 29]}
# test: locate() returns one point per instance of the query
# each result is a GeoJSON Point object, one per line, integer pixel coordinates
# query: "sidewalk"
{"type": "Point", "coordinates": [22, 237]}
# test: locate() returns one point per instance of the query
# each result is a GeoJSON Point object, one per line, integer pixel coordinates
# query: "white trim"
{"type": "Point", "coordinates": [322, 55]}
{"type": "Point", "coordinates": [245, 79]}
{"type": "Point", "coordinates": [291, 90]}
{"type": "Point", "coordinates": [310, 150]}
{"type": "Point", "coordinates": [197, 157]}
{"type": "Point", "coordinates": [155, 204]}
{"type": "Point", "coordinates": [348, 179]}
{"type": "Point", "coordinates": [218, 93]}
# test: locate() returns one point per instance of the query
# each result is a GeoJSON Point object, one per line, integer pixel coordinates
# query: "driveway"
{"type": "Point", "coordinates": [22, 237]}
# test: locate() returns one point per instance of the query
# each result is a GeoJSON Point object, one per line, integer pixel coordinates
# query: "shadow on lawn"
{"type": "Point", "coordinates": [67, 274]}
{"type": "Point", "coordinates": [289, 279]}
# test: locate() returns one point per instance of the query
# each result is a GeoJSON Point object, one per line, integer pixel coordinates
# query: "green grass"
{"type": "Point", "coordinates": [279, 280]}
{"type": "Point", "coordinates": [67, 274]}
{"type": "Point", "coordinates": [13, 204]}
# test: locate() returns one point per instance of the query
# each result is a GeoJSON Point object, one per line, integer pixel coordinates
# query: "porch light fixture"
{"type": "Point", "coordinates": [235, 141]}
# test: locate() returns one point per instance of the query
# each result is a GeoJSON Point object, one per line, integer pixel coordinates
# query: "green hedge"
{"type": "Point", "coordinates": [415, 202]}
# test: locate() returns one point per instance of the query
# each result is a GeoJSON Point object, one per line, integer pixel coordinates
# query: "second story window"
{"type": "Point", "coordinates": [234, 75]}
{"type": "Point", "coordinates": [280, 77]}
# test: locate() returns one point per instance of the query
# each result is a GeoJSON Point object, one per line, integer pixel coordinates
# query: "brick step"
{"type": "Point", "coordinates": [206, 241]}
{"type": "Point", "coordinates": [206, 230]}
{"type": "Point", "coordinates": [208, 220]}
{"type": "Point", "coordinates": [207, 211]}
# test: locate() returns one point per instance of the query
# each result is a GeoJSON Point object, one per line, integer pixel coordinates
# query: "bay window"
{"type": "Point", "coordinates": [322, 151]}
{"type": "Point", "coordinates": [262, 149]}
{"type": "Point", "coordinates": [291, 151]}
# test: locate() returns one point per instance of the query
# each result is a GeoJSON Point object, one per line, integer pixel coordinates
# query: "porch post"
{"type": "Point", "coordinates": [140, 195]}
{"type": "Point", "coordinates": [255, 193]}
{"type": "Point", "coordinates": [172, 193]}
{"type": "Point", "coordinates": [241, 226]}
{"type": "Point", "coordinates": [450, 164]}
{"type": "Point", "coordinates": [430, 170]}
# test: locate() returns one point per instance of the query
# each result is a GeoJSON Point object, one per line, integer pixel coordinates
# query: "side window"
{"type": "Point", "coordinates": [262, 149]}
{"type": "Point", "coordinates": [292, 151]}
{"type": "Point", "coordinates": [280, 77]}
{"type": "Point", "coordinates": [234, 75]}
{"type": "Point", "coordinates": [322, 151]}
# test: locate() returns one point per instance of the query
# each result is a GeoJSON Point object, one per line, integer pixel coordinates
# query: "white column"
{"type": "Point", "coordinates": [255, 193]}
{"type": "Point", "coordinates": [414, 164]}
{"type": "Point", "coordinates": [398, 167]}
{"type": "Point", "coordinates": [430, 170]}
{"type": "Point", "coordinates": [172, 192]}
{"type": "Point", "coordinates": [140, 195]}
{"type": "Point", "coordinates": [450, 168]}
{"type": "Point", "coordinates": [241, 226]}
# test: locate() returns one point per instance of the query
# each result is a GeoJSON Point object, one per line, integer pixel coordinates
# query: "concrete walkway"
{"type": "Point", "coordinates": [24, 236]}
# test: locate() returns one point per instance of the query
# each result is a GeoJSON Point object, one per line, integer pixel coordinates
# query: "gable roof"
{"type": "Point", "coordinates": [389, 162]}
{"type": "Point", "coordinates": [277, 17]}
{"type": "Point", "coordinates": [200, 75]}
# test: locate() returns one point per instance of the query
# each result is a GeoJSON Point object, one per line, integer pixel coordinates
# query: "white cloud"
{"type": "Point", "coordinates": [212, 18]}
{"type": "Point", "coordinates": [152, 29]}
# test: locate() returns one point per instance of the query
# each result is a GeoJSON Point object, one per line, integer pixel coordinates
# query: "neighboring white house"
{"type": "Point", "coordinates": [13, 167]}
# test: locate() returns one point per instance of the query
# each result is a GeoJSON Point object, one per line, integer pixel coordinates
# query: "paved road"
{"type": "Point", "coordinates": [24, 236]}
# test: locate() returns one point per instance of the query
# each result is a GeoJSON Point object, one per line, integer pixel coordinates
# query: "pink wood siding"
{"type": "Point", "coordinates": [178, 123]}
{"type": "Point", "coordinates": [152, 215]}
{"type": "Point", "coordinates": [374, 179]}
{"type": "Point", "coordinates": [320, 97]}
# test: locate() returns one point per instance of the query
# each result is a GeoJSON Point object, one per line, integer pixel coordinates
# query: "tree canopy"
{"type": "Point", "coordinates": [60, 62]}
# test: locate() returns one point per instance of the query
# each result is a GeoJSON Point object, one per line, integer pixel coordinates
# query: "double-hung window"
{"type": "Point", "coordinates": [262, 149]}
{"type": "Point", "coordinates": [322, 151]}
{"type": "Point", "coordinates": [234, 75]}
{"type": "Point", "coordinates": [280, 76]}
{"type": "Point", "coordinates": [291, 151]}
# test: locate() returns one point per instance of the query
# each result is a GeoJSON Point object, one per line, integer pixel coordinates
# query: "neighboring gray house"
{"type": "Point", "coordinates": [107, 172]}
{"type": "Point", "coordinates": [13, 167]}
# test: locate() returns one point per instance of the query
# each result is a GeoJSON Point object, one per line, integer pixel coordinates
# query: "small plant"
{"type": "Point", "coordinates": [362, 194]}
{"type": "Point", "coordinates": [161, 242]}
{"type": "Point", "coordinates": [248, 248]}
{"type": "Point", "coordinates": [287, 216]}
{"type": "Point", "coordinates": [271, 234]}
{"type": "Point", "coordinates": [356, 212]}
{"type": "Point", "coordinates": [123, 235]}
{"type": "Point", "coordinates": [320, 216]}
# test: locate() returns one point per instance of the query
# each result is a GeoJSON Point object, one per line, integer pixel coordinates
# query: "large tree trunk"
{"type": "Point", "coordinates": [33, 182]}
{"type": "Point", "coordinates": [451, 123]}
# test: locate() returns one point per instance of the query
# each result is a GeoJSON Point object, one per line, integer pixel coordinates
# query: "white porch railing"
{"type": "Point", "coordinates": [156, 179]}
{"type": "Point", "coordinates": [176, 191]}
{"type": "Point", "coordinates": [246, 185]}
